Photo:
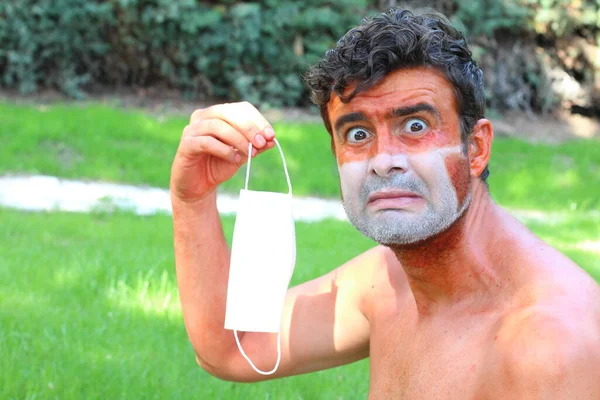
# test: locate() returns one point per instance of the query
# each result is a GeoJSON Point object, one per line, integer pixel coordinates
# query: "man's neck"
{"type": "Point", "coordinates": [454, 269]}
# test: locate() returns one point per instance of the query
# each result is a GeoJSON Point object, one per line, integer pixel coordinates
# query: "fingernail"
{"type": "Point", "coordinates": [237, 158]}
{"type": "Point", "coordinates": [269, 133]}
{"type": "Point", "coordinates": [260, 141]}
{"type": "Point", "coordinates": [254, 152]}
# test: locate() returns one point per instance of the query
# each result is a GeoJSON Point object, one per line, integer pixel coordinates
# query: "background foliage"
{"type": "Point", "coordinates": [537, 54]}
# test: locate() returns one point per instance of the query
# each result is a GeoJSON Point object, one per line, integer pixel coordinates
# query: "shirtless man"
{"type": "Point", "coordinates": [460, 301]}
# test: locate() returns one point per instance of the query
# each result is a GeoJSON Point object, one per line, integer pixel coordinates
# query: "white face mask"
{"type": "Point", "coordinates": [263, 254]}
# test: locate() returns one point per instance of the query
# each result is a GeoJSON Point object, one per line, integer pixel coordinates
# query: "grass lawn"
{"type": "Point", "coordinates": [89, 302]}
{"type": "Point", "coordinates": [98, 142]}
{"type": "Point", "coordinates": [90, 308]}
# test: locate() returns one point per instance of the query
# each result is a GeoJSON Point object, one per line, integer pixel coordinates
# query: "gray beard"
{"type": "Point", "coordinates": [400, 227]}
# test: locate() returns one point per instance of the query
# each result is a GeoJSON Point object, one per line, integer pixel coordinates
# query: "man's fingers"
{"type": "Point", "coordinates": [244, 117]}
{"type": "Point", "coordinates": [196, 115]}
{"type": "Point", "coordinates": [220, 130]}
{"type": "Point", "coordinates": [268, 146]}
{"type": "Point", "coordinates": [193, 145]}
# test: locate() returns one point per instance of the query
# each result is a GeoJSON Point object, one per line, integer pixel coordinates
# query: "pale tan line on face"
{"type": "Point", "coordinates": [429, 166]}
{"type": "Point", "coordinates": [361, 167]}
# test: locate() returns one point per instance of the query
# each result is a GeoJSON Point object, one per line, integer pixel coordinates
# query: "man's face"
{"type": "Point", "coordinates": [404, 174]}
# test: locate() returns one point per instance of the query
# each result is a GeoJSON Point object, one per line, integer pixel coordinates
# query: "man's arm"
{"type": "Point", "coordinates": [322, 326]}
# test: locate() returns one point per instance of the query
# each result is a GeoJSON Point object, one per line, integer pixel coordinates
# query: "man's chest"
{"type": "Point", "coordinates": [410, 360]}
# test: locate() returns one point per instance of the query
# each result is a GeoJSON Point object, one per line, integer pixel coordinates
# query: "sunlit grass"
{"type": "Point", "coordinates": [576, 234]}
{"type": "Point", "coordinates": [99, 142]}
{"type": "Point", "coordinates": [148, 294]}
{"type": "Point", "coordinates": [546, 176]}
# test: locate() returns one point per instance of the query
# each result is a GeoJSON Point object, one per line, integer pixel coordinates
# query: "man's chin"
{"type": "Point", "coordinates": [399, 241]}
{"type": "Point", "coordinates": [416, 230]}
{"type": "Point", "coordinates": [406, 244]}
{"type": "Point", "coordinates": [390, 238]}
{"type": "Point", "coordinates": [382, 226]}
{"type": "Point", "coordinates": [417, 239]}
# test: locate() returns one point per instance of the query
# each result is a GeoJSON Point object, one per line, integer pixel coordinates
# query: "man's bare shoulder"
{"type": "Point", "coordinates": [540, 274]}
{"type": "Point", "coordinates": [370, 264]}
{"type": "Point", "coordinates": [554, 293]}
{"type": "Point", "coordinates": [548, 341]}
{"type": "Point", "coordinates": [548, 351]}
{"type": "Point", "coordinates": [553, 281]}
{"type": "Point", "coordinates": [375, 271]}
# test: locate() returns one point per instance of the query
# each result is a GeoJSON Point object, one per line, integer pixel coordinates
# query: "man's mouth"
{"type": "Point", "coordinates": [393, 199]}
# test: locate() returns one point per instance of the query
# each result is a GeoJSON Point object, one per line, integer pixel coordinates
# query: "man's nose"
{"type": "Point", "coordinates": [386, 164]}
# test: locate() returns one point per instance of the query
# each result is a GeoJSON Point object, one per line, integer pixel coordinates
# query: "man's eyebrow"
{"type": "Point", "coordinates": [395, 113]}
{"type": "Point", "coordinates": [420, 107]}
{"type": "Point", "coordinates": [348, 118]}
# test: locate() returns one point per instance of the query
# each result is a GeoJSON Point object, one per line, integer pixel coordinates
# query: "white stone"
{"type": "Point", "coordinates": [48, 193]}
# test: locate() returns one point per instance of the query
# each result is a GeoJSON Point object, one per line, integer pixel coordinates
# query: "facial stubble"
{"type": "Point", "coordinates": [401, 226]}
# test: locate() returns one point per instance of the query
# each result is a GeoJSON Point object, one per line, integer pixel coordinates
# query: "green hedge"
{"type": "Point", "coordinates": [255, 51]}
{"type": "Point", "coordinates": [232, 50]}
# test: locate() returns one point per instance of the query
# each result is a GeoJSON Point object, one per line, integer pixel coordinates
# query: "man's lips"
{"type": "Point", "coordinates": [393, 199]}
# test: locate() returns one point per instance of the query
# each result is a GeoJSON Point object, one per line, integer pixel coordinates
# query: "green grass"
{"type": "Point", "coordinates": [98, 142]}
{"type": "Point", "coordinates": [89, 302]}
{"type": "Point", "coordinates": [90, 308]}
{"type": "Point", "coordinates": [546, 176]}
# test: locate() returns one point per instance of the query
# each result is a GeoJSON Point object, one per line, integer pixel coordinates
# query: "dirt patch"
{"type": "Point", "coordinates": [164, 102]}
{"type": "Point", "coordinates": [66, 156]}
{"type": "Point", "coordinates": [549, 129]}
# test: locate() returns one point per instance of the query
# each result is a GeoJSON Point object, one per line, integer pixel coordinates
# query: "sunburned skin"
{"type": "Point", "coordinates": [404, 172]}
{"type": "Point", "coordinates": [442, 295]}
{"type": "Point", "coordinates": [401, 219]}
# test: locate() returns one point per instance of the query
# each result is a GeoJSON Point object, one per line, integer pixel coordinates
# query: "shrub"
{"type": "Point", "coordinates": [257, 51]}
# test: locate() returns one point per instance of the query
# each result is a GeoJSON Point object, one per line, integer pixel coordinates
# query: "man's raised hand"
{"type": "Point", "coordinates": [213, 147]}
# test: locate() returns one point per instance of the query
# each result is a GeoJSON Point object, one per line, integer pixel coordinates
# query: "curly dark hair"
{"type": "Point", "coordinates": [394, 40]}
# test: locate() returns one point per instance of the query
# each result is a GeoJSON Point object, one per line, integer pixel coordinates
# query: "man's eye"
{"type": "Point", "coordinates": [355, 135]}
{"type": "Point", "coordinates": [415, 125]}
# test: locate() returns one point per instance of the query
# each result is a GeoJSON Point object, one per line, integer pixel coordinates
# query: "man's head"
{"type": "Point", "coordinates": [404, 103]}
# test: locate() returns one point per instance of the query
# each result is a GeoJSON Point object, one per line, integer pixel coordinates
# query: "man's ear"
{"type": "Point", "coordinates": [480, 146]}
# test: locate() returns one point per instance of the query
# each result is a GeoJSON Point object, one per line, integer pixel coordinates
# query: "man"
{"type": "Point", "coordinates": [460, 301]}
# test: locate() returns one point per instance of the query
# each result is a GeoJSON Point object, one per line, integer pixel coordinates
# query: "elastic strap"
{"type": "Point", "coordinates": [237, 340]}
{"type": "Point", "coordinates": [287, 176]}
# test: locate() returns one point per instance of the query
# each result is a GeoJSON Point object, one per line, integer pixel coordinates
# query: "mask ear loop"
{"type": "Point", "coordinates": [235, 332]}
{"type": "Point", "coordinates": [287, 175]}
{"type": "Point", "coordinates": [237, 340]}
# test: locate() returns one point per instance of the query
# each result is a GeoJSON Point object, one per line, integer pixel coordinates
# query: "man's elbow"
{"type": "Point", "coordinates": [224, 371]}
{"type": "Point", "coordinates": [216, 360]}
{"type": "Point", "coordinates": [214, 369]}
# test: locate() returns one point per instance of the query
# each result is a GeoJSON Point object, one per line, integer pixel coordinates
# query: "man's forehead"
{"type": "Point", "coordinates": [398, 87]}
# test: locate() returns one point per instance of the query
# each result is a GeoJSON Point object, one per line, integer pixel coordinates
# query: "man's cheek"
{"type": "Point", "coordinates": [457, 166]}
{"type": "Point", "coordinates": [432, 167]}
{"type": "Point", "coordinates": [352, 176]}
